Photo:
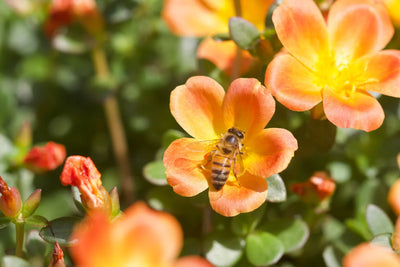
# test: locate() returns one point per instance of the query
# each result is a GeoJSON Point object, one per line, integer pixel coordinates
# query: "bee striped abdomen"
{"type": "Point", "coordinates": [220, 169]}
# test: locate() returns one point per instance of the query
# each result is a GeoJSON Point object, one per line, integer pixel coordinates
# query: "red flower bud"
{"type": "Point", "coordinates": [318, 188]}
{"type": "Point", "coordinates": [10, 200]}
{"type": "Point", "coordinates": [57, 259]}
{"type": "Point", "coordinates": [45, 158]}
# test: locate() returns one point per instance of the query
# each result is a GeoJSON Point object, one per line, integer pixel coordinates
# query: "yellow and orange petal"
{"type": "Point", "coordinates": [302, 30]}
{"type": "Point", "coordinates": [358, 27]}
{"type": "Point", "coordinates": [248, 106]}
{"type": "Point", "coordinates": [269, 152]}
{"type": "Point", "coordinates": [141, 237]}
{"type": "Point", "coordinates": [393, 7]}
{"type": "Point", "coordinates": [369, 255]}
{"type": "Point", "coordinates": [245, 195]}
{"type": "Point", "coordinates": [358, 110]}
{"type": "Point", "coordinates": [45, 158]}
{"type": "Point", "coordinates": [222, 54]}
{"type": "Point", "coordinates": [183, 159]}
{"type": "Point", "coordinates": [292, 83]}
{"type": "Point", "coordinates": [193, 261]}
{"type": "Point", "coordinates": [210, 17]}
{"type": "Point", "coordinates": [394, 197]}
{"type": "Point", "coordinates": [196, 106]}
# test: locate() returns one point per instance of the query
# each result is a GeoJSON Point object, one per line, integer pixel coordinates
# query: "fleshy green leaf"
{"type": "Point", "coordinates": [276, 189]}
{"type": "Point", "coordinates": [154, 172]}
{"type": "Point", "coordinates": [223, 249]}
{"type": "Point", "coordinates": [377, 220]}
{"type": "Point", "coordinates": [60, 229]}
{"type": "Point", "coordinates": [76, 196]}
{"type": "Point", "coordinates": [37, 221]}
{"type": "Point", "coordinates": [13, 261]}
{"type": "Point", "coordinates": [293, 233]}
{"type": "Point", "coordinates": [243, 32]}
{"type": "Point", "coordinates": [383, 240]}
{"type": "Point", "coordinates": [331, 257]}
{"type": "Point", "coordinates": [245, 223]}
{"type": "Point", "coordinates": [263, 248]}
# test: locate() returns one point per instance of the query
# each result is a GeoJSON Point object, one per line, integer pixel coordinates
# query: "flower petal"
{"type": "Point", "coordinates": [156, 235]}
{"type": "Point", "coordinates": [248, 106]}
{"type": "Point", "coordinates": [192, 261]}
{"type": "Point", "coordinates": [182, 161]}
{"type": "Point", "coordinates": [223, 55]}
{"type": "Point", "coordinates": [368, 255]}
{"type": "Point", "coordinates": [233, 198]}
{"type": "Point", "coordinates": [193, 18]}
{"type": "Point", "coordinates": [383, 70]}
{"type": "Point", "coordinates": [358, 27]}
{"type": "Point", "coordinates": [292, 83]}
{"type": "Point", "coordinates": [269, 152]}
{"type": "Point", "coordinates": [196, 106]}
{"type": "Point", "coordinates": [394, 197]}
{"type": "Point", "coordinates": [302, 30]}
{"type": "Point", "coordinates": [359, 111]}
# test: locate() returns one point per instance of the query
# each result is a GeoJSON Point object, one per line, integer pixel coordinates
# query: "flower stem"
{"type": "Point", "coordinates": [19, 231]}
{"type": "Point", "coordinates": [116, 128]}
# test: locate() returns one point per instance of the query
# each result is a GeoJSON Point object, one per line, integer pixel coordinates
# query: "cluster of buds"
{"type": "Point", "coordinates": [317, 189]}
{"type": "Point", "coordinates": [82, 173]}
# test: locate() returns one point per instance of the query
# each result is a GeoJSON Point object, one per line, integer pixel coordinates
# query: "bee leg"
{"type": "Point", "coordinates": [204, 164]}
{"type": "Point", "coordinates": [234, 170]}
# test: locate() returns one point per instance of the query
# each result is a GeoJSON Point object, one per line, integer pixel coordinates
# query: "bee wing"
{"type": "Point", "coordinates": [239, 166]}
{"type": "Point", "coordinates": [201, 146]}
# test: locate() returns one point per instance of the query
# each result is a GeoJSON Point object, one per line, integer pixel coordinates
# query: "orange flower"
{"type": "Point", "coordinates": [10, 200]}
{"type": "Point", "coordinates": [81, 172]}
{"type": "Point", "coordinates": [393, 7]}
{"type": "Point", "coordinates": [203, 109]}
{"type": "Point", "coordinates": [205, 17]}
{"type": "Point", "coordinates": [335, 62]}
{"type": "Point", "coordinates": [223, 55]}
{"type": "Point", "coordinates": [371, 255]}
{"type": "Point", "coordinates": [45, 158]}
{"type": "Point", "coordinates": [318, 188]}
{"type": "Point", "coordinates": [394, 193]}
{"type": "Point", "coordinates": [64, 12]}
{"type": "Point", "coordinates": [140, 237]}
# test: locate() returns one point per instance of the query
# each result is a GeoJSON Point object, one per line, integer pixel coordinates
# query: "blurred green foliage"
{"type": "Point", "coordinates": [58, 94]}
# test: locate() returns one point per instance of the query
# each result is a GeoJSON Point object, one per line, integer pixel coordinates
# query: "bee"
{"type": "Point", "coordinates": [225, 156]}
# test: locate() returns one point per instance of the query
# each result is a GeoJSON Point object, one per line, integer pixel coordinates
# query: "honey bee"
{"type": "Point", "coordinates": [225, 157]}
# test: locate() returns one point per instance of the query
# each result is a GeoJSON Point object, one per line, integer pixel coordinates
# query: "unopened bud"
{"type": "Point", "coordinates": [10, 200]}
{"type": "Point", "coordinates": [31, 204]}
{"type": "Point", "coordinates": [45, 158]}
{"type": "Point", "coordinates": [57, 258]}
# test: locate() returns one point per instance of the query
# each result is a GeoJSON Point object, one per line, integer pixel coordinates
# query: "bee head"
{"type": "Point", "coordinates": [237, 132]}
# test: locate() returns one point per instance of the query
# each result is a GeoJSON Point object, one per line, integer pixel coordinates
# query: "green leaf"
{"type": "Point", "coordinates": [35, 245]}
{"type": "Point", "coordinates": [331, 257]}
{"type": "Point", "coordinates": [293, 233]}
{"type": "Point", "coordinates": [245, 223]}
{"type": "Point", "coordinates": [37, 221]}
{"type": "Point", "coordinates": [221, 37]}
{"type": "Point", "coordinates": [76, 196]}
{"type": "Point", "coordinates": [276, 189]}
{"type": "Point", "coordinates": [340, 170]}
{"type": "Point", "coordinates": [223, 249]}
{"type": "Point", "coordinates": [60, 229]}
{"type": "Point", "coordinates": [377, 220]}
{"type": "Point", "coordinates": [154, 172]}
{"type": "Point", "coordinates": [383, 240]}
{"type": "Point", "coordinates": [169, 136]}
{"type": "Point", "coordinates": [263, 248]}
{"type": "Point", "coordinates": [13, 261]}
{"type": "Point", "coordinates": [243, 32]}
{"type": "Point", "coordinates": [332, 229]}
{"type": "Point", "coordinates": [4, 221]}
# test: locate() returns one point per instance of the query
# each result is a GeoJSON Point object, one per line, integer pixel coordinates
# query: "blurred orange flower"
{"type": "Point", "coordinates": [223, 55]}
{"type": "Point", "coordinates": [393, 7]}
{"type": "Point", "coordinates": [335, 62]}
{"type": "Point", "coordinates": [371, 255]}
{"type": "Point", "coordinates": [64, 12]}
{"type": "Point", "coordinates": [394, 193]}
{"type": "Point", "coordinates": [10, 200]}
{"type": "Point", "coordinates": [140, 237]}
{"type": "Point", "coordinates": [45, 158]}
{"type": "Point", "coordinates": [318, 188]}
{"type": "Point", "coordinates": [206, 17]}
{"type": "Point", "coordinates": [202, 108]}
{"type": "Point", "coordinates": [81, 172]}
